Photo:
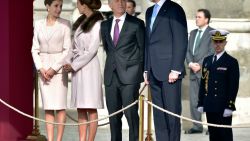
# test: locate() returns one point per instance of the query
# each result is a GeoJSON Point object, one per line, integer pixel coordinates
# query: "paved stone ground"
{"type": "Point", "coordinates": [103, 133]}
{"type": "Point", "coordinates": [241, 116]}
{"type": "Point", "coordinates": [71, 134]}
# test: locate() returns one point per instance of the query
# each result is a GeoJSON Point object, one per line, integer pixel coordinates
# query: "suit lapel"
{"type": "Point", "coordinates": [204, 36]}
{"type": "Point", "coordinates": [148, 20]}
{"type": "Point", "coordinates": [221, 59]}
{"type": "Point", "coordinates": [109, 26]}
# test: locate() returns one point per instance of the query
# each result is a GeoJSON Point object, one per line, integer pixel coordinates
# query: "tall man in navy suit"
{"type": "Point", "coordinates": [123, 40]}
{"type": "Point", "coordinates": [165, 51]}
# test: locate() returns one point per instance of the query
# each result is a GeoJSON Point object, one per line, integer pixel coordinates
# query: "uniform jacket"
{"type": "Point", "coordinates": [219, 84]}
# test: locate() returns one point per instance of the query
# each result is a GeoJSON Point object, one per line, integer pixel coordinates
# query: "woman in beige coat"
{"type": "Point", "coordinates": [51, 42]}
{"type": "Point", "coordinates": [84, 64]}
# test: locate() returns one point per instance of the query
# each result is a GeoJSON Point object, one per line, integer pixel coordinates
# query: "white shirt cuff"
{"type": "Point", "coordinates": [177, 72]}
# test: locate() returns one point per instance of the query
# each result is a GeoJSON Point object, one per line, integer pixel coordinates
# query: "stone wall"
{"type": "Point", "coordinates": [218, 8]}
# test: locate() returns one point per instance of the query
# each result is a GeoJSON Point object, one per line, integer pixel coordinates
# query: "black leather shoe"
{"type": "Point", "coordinates": [193, 131]}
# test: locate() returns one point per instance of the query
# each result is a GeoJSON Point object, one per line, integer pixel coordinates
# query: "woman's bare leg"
{"type": "Point", "coordinates": [82, 117]}
{"type": "Point", "coordinates": [92, 114]}
{"type": "Point", "coordinates": [60, 118]}
{"type": "Point", "coordinates": [50, 116]}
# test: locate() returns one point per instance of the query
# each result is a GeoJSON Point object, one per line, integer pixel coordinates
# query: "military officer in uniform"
{"type": "Point", "coordinates": [219, 88]}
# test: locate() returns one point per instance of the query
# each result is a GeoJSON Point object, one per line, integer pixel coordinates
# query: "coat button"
{"type": "Point", "coordinates": [215, 95]}
{"type": "Point", "coordinates": [215, 81]}
{"type": "Point", "coordinates": [215, 88]}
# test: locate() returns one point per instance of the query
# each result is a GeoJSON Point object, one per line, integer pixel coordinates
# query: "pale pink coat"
{"type": "Point", "coordinates": [87, 79]}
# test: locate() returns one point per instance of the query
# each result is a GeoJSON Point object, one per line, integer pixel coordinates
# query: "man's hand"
{"type": "Point", "coordinates": [145, 76]}
{"type": "Point", "coordinates": [172, 77]}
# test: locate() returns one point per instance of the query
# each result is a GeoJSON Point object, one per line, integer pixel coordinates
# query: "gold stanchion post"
{"type": "Point", "coordinates": [141, 122]}
{"type": "Point", "coordinates": [149, 130]}
{"type": "Point", "coordinates": [35, 135]}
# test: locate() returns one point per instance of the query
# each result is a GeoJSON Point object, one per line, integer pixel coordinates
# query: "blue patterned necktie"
{"type": "Point", "coordinates": [154, 15]}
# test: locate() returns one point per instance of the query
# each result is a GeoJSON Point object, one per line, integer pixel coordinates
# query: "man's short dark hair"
{"type": "Point", "coordinates": [206, 14]}
{"type": "Point", "coordinates": [133, 2]}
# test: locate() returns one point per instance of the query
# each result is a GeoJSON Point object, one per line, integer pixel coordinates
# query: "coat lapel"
{"type": "Point", "coordinates": [123, 30]}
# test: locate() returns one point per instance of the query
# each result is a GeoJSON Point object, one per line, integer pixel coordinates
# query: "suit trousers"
{"type": "Point", "coordinates": [193, 96]}
{"type": "Point", "coordinates": [167, 96]}
{"type": "Point", "coordinates": [219, 134]}
{"type": "Point", "coordinates": [120, 95]}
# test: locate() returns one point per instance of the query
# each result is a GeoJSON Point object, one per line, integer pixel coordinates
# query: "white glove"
{"type": "Point", "coordinates": [227, 113]}
{"type": "Point", "coordinates": [200, 109]}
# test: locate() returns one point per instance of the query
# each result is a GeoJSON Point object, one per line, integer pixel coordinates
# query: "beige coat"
{"type": "Point", "coordinates": [86, 78]}
{"type": "Point", "coordinates": [50, 46]}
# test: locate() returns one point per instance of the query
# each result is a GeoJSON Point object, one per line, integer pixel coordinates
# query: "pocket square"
{"type": "Point", "coordinates": [221, 68]}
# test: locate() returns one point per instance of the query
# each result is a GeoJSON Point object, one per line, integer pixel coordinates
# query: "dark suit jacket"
{"type": "Point", "coordinates": [127, 57]}
{"type": "Point", "coordinates": [222, 84]}
{"type": "Point", "coordinates": [166, 44]}
{"type": "Point", "coordinates": [204, 49]}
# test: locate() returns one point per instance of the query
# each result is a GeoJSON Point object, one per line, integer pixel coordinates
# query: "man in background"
{"type": "Point", "coordinates": [199, 47]}
{"type": "Point", "coordinates": [130, 8]}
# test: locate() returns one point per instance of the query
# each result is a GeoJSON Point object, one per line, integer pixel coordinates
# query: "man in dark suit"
{"type": "Point", "coordinates": [219, 88]}
{"type": "Point", "coordinates": [165, 51]}
{"type": "Point", "coordinates": [199, 47]}
{"type": "Point", "coordinates": [123, 41]}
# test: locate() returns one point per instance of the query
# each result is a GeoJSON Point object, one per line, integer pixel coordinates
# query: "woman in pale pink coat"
{"type": "Point", "coordinates": [51, 42]}
{"type": "Point", "coordinates": [83, 62]}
